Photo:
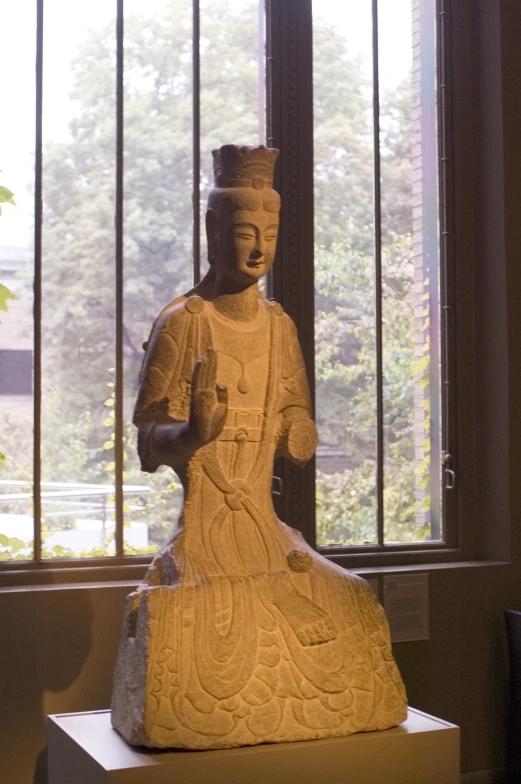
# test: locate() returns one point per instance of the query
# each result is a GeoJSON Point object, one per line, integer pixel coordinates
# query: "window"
{"type": "Point", "coordinates": [368, 158]}
{"type": "Point", "coordinates": [377, 341]}
{"type": "Point", "coordinates": [131, 110]}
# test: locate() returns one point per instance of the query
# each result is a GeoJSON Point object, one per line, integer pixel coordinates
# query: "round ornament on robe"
{"type": "Point", "coordinates": [302, 440]}
{"type": "Point", "coordinates": [194, 304]}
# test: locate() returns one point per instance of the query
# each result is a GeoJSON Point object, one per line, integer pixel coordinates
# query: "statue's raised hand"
{"type": "Point", "coordinates": [208, 400]}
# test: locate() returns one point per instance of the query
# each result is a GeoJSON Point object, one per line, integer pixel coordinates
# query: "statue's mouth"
{"type": "Point", "coordinates": [254, 263]}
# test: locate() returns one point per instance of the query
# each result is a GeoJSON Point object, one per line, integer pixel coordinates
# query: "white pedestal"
{"type": "Point", "coordinates": [85, 749]}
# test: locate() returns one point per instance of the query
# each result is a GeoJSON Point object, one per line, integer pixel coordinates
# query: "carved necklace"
{"type": "Point", "coordinates": [235, 342]}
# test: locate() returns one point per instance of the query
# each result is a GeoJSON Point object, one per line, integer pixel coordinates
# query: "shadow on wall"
{"type": "Point", "coordinates": [46, 638]}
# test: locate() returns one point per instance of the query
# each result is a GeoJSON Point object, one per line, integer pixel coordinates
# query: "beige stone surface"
{"type": "Point", "coordinates": [243, 634]}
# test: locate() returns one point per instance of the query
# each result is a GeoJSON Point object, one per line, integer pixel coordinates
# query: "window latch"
{"type": "Point", "coordinates": [448, 473]}
{"type": "Point", "coordinates": [276, 485]}
{"type": "Point", "coordinates": [450, 479]}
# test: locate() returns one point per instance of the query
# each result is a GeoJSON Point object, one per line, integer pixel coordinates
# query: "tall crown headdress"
{"type": "Point", "coordinates": [244, 167]}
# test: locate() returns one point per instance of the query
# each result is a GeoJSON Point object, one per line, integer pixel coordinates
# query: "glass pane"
{"type": "Point", "coordinates": [232, 84]}
{"type": "Point", "coordinates": [78, 279]}
{"type": "Point", "coordinates": [158, 152]}
{"type": "Point", "coordinates": [17, 99]}
{"type": "Point", "coordinates": [410, 263]}
{"type": "Point", "coordinates": [344, 273]}
{"type": "Point", "coordinates": [158, 227]}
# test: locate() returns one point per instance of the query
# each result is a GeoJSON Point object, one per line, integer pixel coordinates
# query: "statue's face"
{"type": "Point", "coordinates": [244, 240]}
{"type": "Point", "coordinates": [252, 241]}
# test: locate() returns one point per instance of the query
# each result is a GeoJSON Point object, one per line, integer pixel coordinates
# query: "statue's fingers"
{"type": "Point", "coordinates": [206, 376]}
{"type": "Point", "coordinates": [211, 355]}
{"type": "Point", "coordinates": [206, 372]}
{"type": "Point", "coordinates": [222, 394]}
{"type": "Point", "coordinates": [196, 375]}
{"type": "Point", "coordinates": [220, 416]}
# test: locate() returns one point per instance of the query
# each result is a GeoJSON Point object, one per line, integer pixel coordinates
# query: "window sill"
{"type": "Point", "coordinates": [377, 571]}
{"type": "Point", "coordinates": [53, 575]}
{"type": "Point", "coordinates": [396, 556]}
{"type": "Point", "coordinates": [130, 575]}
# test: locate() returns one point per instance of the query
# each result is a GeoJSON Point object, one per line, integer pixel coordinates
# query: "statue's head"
{"type": "Point", "coordinates": [243, 213]}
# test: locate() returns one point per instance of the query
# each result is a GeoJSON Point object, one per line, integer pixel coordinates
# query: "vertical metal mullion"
{"type": "Point", "coordinates": [271, 139]}
{"type": "Point", "coordinates": [378, 284]}
{"type": "Point", "coordinates": [448, 409]}
{"type": "Point", "coordinates": [118, 445]}
{"type": "Point", "coordinates": [196, 139]}
{"type": "Point", "coordinates": [271, 32]}
{"type": "Point", "coordinates": [444, 228]}
{"type": "Point", "coordinates": [261, 59]}
{"type": "Point", "coordinates": [38, 215]}
{"type": "Point", "coordinates": [431, 245]}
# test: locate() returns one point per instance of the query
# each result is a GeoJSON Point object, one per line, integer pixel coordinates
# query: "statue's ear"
{"type": "Point", "coordinates": [211, 234]}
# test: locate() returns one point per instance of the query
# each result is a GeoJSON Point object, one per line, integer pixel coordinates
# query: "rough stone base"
{"type": "Point", "coordinates": [238, 661]}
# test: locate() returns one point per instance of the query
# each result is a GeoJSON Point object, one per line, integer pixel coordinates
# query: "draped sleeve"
{"type": "Point", "coordinates": [164, 381]}
{"type": "Point", "coordinates": [298, 434]}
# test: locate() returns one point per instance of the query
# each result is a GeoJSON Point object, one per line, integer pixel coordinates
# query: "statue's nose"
{"type": "Point", "coordinates": [260, 245]}
{"type": "Point", "coordinates": [256, 254]}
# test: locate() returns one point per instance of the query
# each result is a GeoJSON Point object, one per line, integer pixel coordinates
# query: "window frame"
{"type": "Point", "coordinates": [290, 128]}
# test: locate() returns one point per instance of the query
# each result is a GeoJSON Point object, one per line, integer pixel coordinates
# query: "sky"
{"type": "Point", "coordinates": [65, 26]}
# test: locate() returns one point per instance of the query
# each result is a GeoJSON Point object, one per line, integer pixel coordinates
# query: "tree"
{"type": "Point", "coordinates": [345, 369]}
{"type": "Point", "coordinates": [345, 393]}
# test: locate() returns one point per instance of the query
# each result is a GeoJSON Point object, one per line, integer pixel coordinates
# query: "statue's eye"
{"type": "Point", "coordinates": [244, 236]}
{"type": "Point", "coordinates": [270, 237]}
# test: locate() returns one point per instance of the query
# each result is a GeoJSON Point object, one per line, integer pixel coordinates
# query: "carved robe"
{"type": "Point", "coordinates": [228, 524]}
{"type": "Point", "coordinates": [247, 634]}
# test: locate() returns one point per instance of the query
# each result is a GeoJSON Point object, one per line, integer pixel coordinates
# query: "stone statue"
{"type": "Point", "coordinates": [242, 634]}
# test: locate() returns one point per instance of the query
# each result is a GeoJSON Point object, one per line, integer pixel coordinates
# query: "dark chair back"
{"type": "Point", "coordinates": [513, 624]}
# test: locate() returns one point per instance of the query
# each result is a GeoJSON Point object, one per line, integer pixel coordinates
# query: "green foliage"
{"type": "Point", "coordinates": [345, 392]}
{"type": "Point", "coordinates": [345, 337]}
{"type": "Point", "coordinates": [346, 506]}
{"type": "Point", "coordinates": [12, 548]}
{"type": "Point", "coordinates": [5, 295]}
{"type": "Point", "coordinates": [6, 196]}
